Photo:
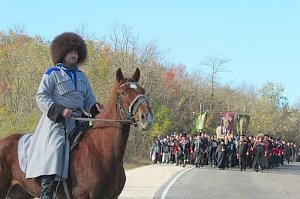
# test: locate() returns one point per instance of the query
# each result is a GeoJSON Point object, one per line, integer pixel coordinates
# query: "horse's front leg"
{"type": "Point", "coordinates": [121, 183]}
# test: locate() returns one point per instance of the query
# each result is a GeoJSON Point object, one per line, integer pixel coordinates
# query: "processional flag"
{"type": "Point", "coordinates": [199, 121]}
{"type": "Point", "coordinates": [227, 121]}
{"type": "Point", "coordinates": [242, 123]}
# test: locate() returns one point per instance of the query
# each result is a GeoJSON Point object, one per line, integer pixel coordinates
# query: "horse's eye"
{"type": "Point", "coordinates": [123, 93]}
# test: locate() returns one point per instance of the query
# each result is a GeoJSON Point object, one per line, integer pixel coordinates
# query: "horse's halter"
{"type": "Point", "coordinates": [134, 105]}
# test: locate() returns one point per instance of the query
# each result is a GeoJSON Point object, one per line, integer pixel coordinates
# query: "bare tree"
{"type": "Point", "coordinates": [216, 65]}
{"type": "Point", "coordinates": [124, 46]}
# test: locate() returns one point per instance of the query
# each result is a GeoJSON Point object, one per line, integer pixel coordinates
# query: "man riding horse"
{"type": "Point", "coordinates": [63, 89]}
{"type": "Point", "coordinates": [95, 167]}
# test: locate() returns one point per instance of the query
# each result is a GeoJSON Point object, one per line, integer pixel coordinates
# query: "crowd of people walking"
{"type": "Point", "coordinates": [244, 152]}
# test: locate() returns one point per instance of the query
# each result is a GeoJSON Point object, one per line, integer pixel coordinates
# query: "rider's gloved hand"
{"type": "Point", "coordinates": [96, 109]}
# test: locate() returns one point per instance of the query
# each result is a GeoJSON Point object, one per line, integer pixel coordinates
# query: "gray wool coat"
{"type": "Point", "coordinates": [49, 149]}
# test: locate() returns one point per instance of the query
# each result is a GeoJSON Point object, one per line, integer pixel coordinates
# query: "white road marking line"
{"type": "Point", "coordinates": [164, 194]}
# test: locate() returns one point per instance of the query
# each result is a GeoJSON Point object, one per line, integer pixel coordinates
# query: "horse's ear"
{"type": "Point", "coordinates": [119, 75]}
{"type": "Point", "coordinates": [136, 75]}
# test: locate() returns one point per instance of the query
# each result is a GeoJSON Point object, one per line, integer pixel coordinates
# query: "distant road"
{"type": "Point", "coordinates": [169, 181]}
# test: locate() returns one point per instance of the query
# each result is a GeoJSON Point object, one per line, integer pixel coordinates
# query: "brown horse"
{"type": "Point", "coordinates": [96, 166]}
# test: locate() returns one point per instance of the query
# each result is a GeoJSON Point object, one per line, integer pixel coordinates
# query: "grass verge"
{"type": "Point", "coordinates": [135, 162]}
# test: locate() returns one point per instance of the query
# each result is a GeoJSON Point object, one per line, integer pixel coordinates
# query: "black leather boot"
{"type": "Point", "coordinates": [47, 187]}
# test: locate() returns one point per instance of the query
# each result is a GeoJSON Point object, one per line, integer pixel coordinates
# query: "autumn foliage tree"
{"type": "Point", "coordinates": [173, 92]}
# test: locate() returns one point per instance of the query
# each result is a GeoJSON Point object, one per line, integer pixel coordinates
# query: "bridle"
{"type": "Point", "coordinates": [134, 105]}
{"type": "Point", "coordinates": [129, 115]}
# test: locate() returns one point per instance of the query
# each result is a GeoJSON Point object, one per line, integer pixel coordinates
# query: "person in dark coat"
{"type": "Point", "coordinates": [249, 154]}
{"type": "Point", "coordinates": [288, 152]}
{"type": "Point", "coordinates": [260, 154]}
{"type": "Point", "coordinates": [231, 151]}
{"type": "Point", "coordinates": [171, 144]}
{"type": "Point", "coordinates": [185, 146]}
{"type": "Point", "coordinates": [213, 144]}
{"type": "Point", "coordinates": [221, 154]}
{"type": "Point", "coordinates": [198, 150]}
{"type": "Point", "coordinates": [242, 152]}
{"type": "Point", "coordinates": [205, 147]}
{"type": "Point", "coordinates": [268, 143]}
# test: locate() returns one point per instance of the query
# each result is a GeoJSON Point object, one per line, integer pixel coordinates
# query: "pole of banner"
{"type": "Point", "coordinates": [200, 108]}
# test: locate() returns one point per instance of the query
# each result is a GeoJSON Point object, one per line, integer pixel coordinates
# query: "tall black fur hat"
{"type": "Point", "coordinates": [66, 42]}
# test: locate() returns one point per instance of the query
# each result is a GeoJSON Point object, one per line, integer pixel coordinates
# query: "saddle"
{"type": "Point", "coordinates": [77, 133]}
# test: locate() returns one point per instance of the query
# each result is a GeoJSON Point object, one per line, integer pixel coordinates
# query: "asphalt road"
{"type": "Point", "coordinates": [169, 181]}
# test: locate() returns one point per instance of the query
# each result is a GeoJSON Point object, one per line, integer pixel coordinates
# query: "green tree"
{"type": "Point", "coordinates": [162, 123]}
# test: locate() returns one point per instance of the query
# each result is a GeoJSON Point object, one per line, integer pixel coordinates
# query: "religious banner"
{"type": "Point", "coordinates": [227, 121]}
{"type": "Point", "coordinates": [242, 123]}
{"type": "Point", "coordinates": [199, 121]}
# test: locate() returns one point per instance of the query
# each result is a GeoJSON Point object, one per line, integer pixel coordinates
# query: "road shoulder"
{"type": "Point", "coordinates": [149, 180]}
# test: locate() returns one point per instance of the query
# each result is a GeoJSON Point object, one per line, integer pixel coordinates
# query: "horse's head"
{"type": "Point", "coordinates": [132, 102]}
